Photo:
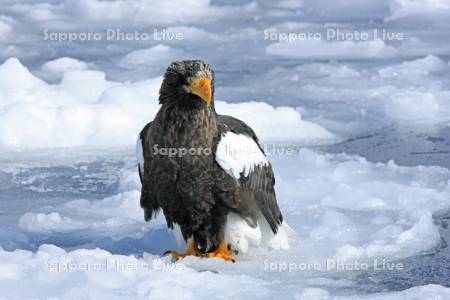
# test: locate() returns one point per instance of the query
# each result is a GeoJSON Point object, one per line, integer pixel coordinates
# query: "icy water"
{"type": "Point", "coordinates": [406, 148]}
{"type": "Point", "coordinates": [384, 100]}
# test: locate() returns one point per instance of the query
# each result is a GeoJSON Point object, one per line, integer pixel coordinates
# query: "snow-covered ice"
{"type": "Point", "coordinates": [98, 112]}
{"type": "Point", "coordinates": [52, 272]}
{"type": "Point", "coordinates": [351, 211]}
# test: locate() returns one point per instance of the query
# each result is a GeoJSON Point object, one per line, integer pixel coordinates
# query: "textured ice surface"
{"type": "Point", "coordinates": [101, 113]}
{"type": "Point", "coordinates": [87, 274]}
{"type": "Point", "coordinates": [347, 87]}
{"type": "Point", "coordinates": [345, 210]}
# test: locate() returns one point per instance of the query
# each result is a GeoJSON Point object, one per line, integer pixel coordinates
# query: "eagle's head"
{"type": "Point", "coordinates": [188, 83]}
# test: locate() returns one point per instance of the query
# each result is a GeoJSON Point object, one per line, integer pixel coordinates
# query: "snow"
{"type": "Point", "coordinates": [418, 8]}
{"type": "Point", "coordinates": [47, 223]}
{"type": "Point", "coordinates": [57, 67]}
{"type": "Point", "coordinates": [117, 213]}
{"type": "Point", "coordinates": [319, 49]}
{"type": "Point", "coordinates": [101, 275]}
{"type": "Point", "coordinates": [98, 112]}
{"type": "Point", "coordinates": [5, 29]}
{"type": "Point", "coordinates": [52, 272]}
{"type": "Point", "coordinates": [286, 124]}
{"type": "Point", "coordinates": [342, 207]}
{"type": "Point", "coordinates": [428, 292]}
{"type": "Point", "coordinates": [139, 10]}
{"type": "Point", "coordinates": [412, 106]}
{"type": "Point", "coordinates": [14, 75]}
{"type": "Point", "coordinates": [324, 218]}
{"type": "Point", "coordinates": [423, 66]}
{"type": "Point", "coordinates": [160, 54]}
{"type": "Point", "coordinates": [348, 100]}
{"type": "Point", "coordinates": [355, 208]}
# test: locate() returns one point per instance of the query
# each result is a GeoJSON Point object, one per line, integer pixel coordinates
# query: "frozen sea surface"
{"type": "Point", "coordinates": [342, 207]}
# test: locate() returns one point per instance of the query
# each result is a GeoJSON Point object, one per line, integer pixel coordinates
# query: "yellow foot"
{"type": "Point", "coordinates": [224, 252]}
{"type": "Point", "coordinates": [190, 251]}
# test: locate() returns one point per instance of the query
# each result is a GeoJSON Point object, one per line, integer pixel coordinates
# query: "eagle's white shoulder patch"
{"type": "Point", "coordinates": [238, 154]}
{"type": "Point", "coordinates": [140, 154]}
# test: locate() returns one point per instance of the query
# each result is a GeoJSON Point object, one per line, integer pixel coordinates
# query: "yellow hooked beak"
{"type": "Point", "coordinates": [202, 88]}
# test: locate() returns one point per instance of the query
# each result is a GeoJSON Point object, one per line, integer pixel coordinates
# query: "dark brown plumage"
{"type": "Point", "coordinates": [194, 191]}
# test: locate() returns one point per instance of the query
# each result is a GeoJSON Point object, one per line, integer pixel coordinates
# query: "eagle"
{"type": "Point", "coordinates": [207, 172]}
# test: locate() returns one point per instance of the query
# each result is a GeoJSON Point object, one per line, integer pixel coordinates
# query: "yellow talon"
{"type": "Point", "coordinates": [190, 251]}
{"type": "Point", "coordinates": [224, 252]}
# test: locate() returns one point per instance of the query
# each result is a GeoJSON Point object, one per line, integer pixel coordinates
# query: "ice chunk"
{"type": "Point", "coordinates": [412, 106]}
{"type": "Point", "coordinates": [56, 68]}
{"type": "Point", "coordinates": [285, 125]}
{"type": "Point", "coordinates": [161, 55]}
{"type": "Point", "coordinates": [319, 49]}
{"type": "Point", "coordinates": [85, 109]}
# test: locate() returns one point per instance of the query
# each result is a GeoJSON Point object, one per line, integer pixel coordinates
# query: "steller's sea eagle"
{"type": "Point", "coordinates": [205, 171]}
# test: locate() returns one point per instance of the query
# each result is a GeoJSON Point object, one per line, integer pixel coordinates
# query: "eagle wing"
{"type": "Point", "coordinates": [239, 154]}
{"type": "Point", "coordinates": [141, 141]}
{"type": "Point", "coordinates": [148, 202]}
